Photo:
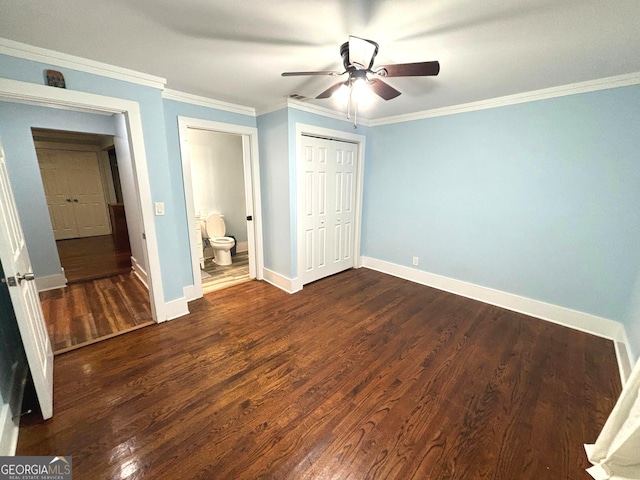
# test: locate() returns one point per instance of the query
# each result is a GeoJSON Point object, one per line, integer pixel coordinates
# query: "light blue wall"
{"type": "Point", "coordinates": [16, 121]}
{"type": "Point", "coordinates": [539, 199]}
{"type": "Point", "coordinates": [274, 185]}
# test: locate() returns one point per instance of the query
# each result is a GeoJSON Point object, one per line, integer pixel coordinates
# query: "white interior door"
{"type": "Point", "coordinates": [24, 296]}
{"type": "Point", "coordinates": [75, 193]}
{"type": "Point", "coordinates": [327, 214]}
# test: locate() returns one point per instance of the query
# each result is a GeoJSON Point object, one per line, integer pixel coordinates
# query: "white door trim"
{"type": "Point", "coordinates": [252, 185]}
{"type": "Point", "coordinates": [31, 93]}
{"type": "Point", "coordinates": [360, 140]}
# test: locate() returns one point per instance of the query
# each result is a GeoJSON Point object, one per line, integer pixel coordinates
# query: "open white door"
{"type": "Point", "coordinates": [24, 296]}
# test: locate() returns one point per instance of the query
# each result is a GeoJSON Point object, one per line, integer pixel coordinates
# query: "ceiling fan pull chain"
{"type": "Point", "coordinates": [355, 115]}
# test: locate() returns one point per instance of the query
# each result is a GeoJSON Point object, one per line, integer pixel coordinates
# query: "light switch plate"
{"type": "Point", "coordinates": [159, 208]}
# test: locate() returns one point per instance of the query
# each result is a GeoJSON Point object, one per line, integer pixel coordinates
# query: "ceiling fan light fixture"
{"type": "Point", "coordinates": [361, 93]}
{"type": "Point", "coordinates": [358, 55]}
{"type": "Point", "coordinates": [342, 94]}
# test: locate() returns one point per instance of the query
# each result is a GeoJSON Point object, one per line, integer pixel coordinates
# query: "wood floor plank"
{"type": "Point", "coordinates": [359, 375]}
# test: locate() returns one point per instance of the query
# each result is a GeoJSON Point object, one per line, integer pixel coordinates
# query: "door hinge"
{"type": "Point", "coordinates": [144, 236]}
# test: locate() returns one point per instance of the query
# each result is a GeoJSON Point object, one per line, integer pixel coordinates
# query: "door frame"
{"type": "Point", "coordinates": [303, 129]}
{"type": "Point", "coordinates": [45, 96]}
{"type": "Point", "coordinates": [251, 163]}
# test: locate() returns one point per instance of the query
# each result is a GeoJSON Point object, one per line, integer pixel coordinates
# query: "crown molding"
{"type": "Point", "coordinates": [535, 95]}
{"type": "Point", "coordinates": [272, 108]}
{"type": "Point", "coordinates": [177, 96]}
{"type": "Point", "coordinates": [58, 59]}
{"type": "Point", "coordinates": [325, 112]}
{"type": "Point", "coordinates": [315, 109]}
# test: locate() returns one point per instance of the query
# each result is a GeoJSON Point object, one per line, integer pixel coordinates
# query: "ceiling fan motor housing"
{"type": "Point", "coordinates": [344, 53]}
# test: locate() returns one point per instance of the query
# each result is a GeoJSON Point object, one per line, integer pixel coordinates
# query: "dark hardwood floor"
{"type": "Point", "coordinates": [360, 376]}
{"type": "Point", "coordinates": [90, 258]}
{"type": "Point", "coordinates": [90, 311]}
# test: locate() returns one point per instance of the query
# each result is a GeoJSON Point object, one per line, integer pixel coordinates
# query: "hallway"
{"type": "Point", "coordinates": [103, 297]}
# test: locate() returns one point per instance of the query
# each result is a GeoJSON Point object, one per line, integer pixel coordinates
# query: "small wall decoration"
{"type": "Point", "coordinates": [55, 78]}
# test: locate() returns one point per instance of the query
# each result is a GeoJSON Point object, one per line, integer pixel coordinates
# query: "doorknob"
{"type": "Point", "coordinates": [17, 280]}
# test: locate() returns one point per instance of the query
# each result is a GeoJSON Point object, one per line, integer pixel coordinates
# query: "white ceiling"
{"type": "Point", "coordinates": [235, 50]}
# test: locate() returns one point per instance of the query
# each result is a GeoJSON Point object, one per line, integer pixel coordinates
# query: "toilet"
{"type": "Point", "coordinates": [213, 229]}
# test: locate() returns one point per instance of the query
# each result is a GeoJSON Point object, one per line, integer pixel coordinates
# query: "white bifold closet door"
{"type": "Point", "coordinates": [75, 193]}
{"type": "Point", "coordinates": [327, 211]}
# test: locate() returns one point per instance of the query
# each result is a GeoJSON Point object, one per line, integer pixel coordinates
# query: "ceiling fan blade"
{"type": "Point", "coordinates": [418, 69]}
{"type": "Point", "coordinates": [331, 90]}
{"type": "Point", "coordinates": [383, 89]}
{"type": "Point", "coordinates": [319, 72]}
{"type": "Point", "coordinates": [362, 51]}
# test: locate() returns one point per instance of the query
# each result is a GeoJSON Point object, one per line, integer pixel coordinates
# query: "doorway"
{"type": "Point", "coordinates": [218, 189]}
{"type": "Point", "coordinates": [221, 176]}
{"type": "Point", "coordinates": [129, 135]}
{"type": "Point", "coordinates": [102, 297]}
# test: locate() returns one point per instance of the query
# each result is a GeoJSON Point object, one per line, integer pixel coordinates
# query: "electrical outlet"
{"type": "Point", "coordinates": [159, 208]}
{"type": "Point", "coordinates": [415, 261]}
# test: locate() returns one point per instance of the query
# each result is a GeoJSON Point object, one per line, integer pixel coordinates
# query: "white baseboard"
{"type": "Point", "coordinates": [280, 281]}
{"type": "Point", "coordinates": [51, 282]}
{"type": "Point", "coordinates": [584, 322]}
{"type": "Point", "coordinates": [176, 308]}
{"type": "Point", "coordinates": [9, 425]}
{"type": "Point", "coordinates": [242, 247]}
{"type": "Point", "coordinates": [190, 292]}
{"type": "Point", "coordinates": [624, 354]}
{"type": "Point", "coordinates": [140, 273]}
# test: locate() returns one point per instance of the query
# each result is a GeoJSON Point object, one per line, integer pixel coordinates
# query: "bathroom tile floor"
{"type": "Point", "coordinates": [225, 276]}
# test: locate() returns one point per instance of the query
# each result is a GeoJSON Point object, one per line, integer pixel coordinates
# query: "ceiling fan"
{"type": "Point", "coordinates": [358, 55]}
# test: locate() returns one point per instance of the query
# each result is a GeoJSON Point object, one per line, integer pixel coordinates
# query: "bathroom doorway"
{"type": "Point", "coordinates": [220, 172]}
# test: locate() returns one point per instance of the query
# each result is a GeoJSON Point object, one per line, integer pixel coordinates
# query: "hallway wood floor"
{"type": "Point", "coordinates": [90, 258]}
{"type": "Point", "coordinates": [87, 312]}
{"type": "Point", "coordinates": [360, 375]}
